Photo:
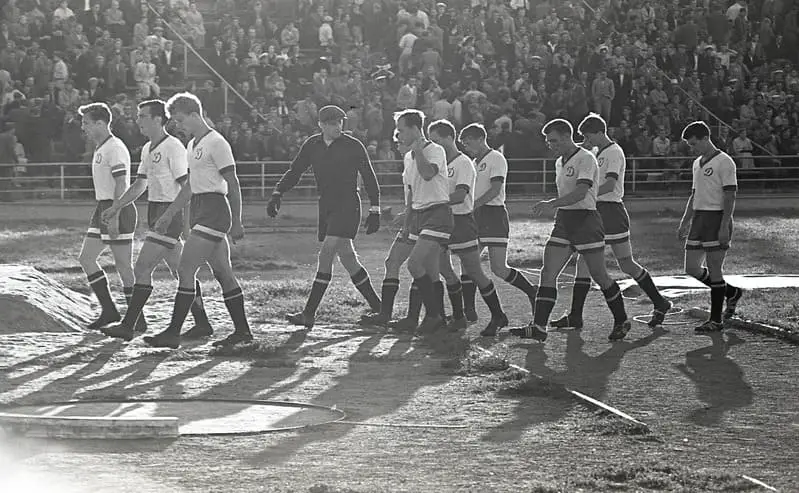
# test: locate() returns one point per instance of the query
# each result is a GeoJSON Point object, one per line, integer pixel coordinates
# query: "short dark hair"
{"type": "Point", "coordinates": [443, 128]}
{"type": "Point", "coordinates": [412, 118]}
{"type": "Point", "coordinates": [98, 112]}
{"type": "Point", "coordinates": [698, 129]}
{"type": "Point", "coordinates": [156, 107]}
{"type": "Point", "coordinates": [473, 131]}
{"type": "Point", "coordinates": [592, 124]}
{"type": "Point", "coordinates": [560, 126]}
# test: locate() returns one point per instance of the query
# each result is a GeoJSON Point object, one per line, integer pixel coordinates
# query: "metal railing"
{"type": "Point", "coordinates": [650, 176]}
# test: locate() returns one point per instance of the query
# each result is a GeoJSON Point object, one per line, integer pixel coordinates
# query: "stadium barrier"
{"type": "Point", "coordinates": [645, 176]}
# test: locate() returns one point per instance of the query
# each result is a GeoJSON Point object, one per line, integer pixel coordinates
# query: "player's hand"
{"type": "Point", "coordinates": [113, 227]}
{"type": "Point", "coordinates": [724, 233]}
{"type": "Point", "coordinates": [682, 231]}
{"type": "Point", "coordinates": [109, 214]}
{"type": "Point", "coordinates": [236, 231]}
{"type": "Point", "coordinates": [372, 222]}
{"type": "Point", "coordinates": [541, 208]}
{"type": "Point", "coordinates": [274, 205]}
{"type": "Point", "coordinates": [162, 224]}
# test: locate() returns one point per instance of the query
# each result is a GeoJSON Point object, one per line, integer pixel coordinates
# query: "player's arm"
{"type": "Point", "coordinates": [429, 166]}
{"type": "Point", "coordinates": [298, 166]}
{"type": "Point", "coordinates": [408, 206]}
{"type": "Point", "coordinates": [181, 202]}
{"type": "Point", "coordinates": [687, 215]}
{"type": "Point", "coordinates": [462, 187]}
{"type": "Point", "coordinates": [612, 173]}
{"type": "Point", "coordinates": [234, 193]}
{"type": "Point", "coordinates": [498, 169]}
{"type": "Point", "coordinates": [367, 172]}
{"type": "Point", "coordinates": [729, 184]}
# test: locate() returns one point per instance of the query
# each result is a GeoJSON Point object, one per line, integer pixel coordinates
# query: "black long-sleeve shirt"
{"type": "Point", "coordinates": [335, 168]}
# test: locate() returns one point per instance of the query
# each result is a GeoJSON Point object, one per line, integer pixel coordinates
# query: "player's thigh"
{"type": "Point", "coordinates": [91, 249]}
{"type": "Point", "coordinates": [150, 255]}
{"type": "Point", "coordinates": [423, 250]}
{"type": "Point", "coordinates": [498, 256]}
{"type": "Point", "coordinates": [582, 270]}
{"type": "Point", "coordinates": [398, 253]}
{"type": "Point", "coordinates": [715, 263]}
{"type": "Point", "coordinates": [197, 251]}
{"type": "Point", "coordinates": [172, 257]}
{"type": "Point", "coordinates": [472, 267]}
{"type": "Point", "coordinates": [445, 267]}
{"type": "Point", "coordinates": [555, 259]}
{"type": "Point", "coordinates": [219, 261]}
{"type": "Point", "coordinates": [123, 254]}
{"type": "Point", "coordinates": [595, 261]}
{"type": "Point", "coordinates": [693, 261]}
{"type": "Point", "coordinates": [622, 250]}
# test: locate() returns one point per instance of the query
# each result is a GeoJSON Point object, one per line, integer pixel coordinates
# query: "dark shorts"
{"type": "Point", "coordinates": [340, 218]}
{"type": "Point", "coordinates": [464, 234]}
{"type": "Point", "coordinates": [127, 224]}
{"type": "Point", "coordinates": [435, 223]}
{"type": "Point", "coordinates": [580, 230]}
{"type": "Point", "coordinates": [704, 233]}
{"type": "Point", "coordinates": [493, 227]}
{"type": "Point", "coordinates": [411, 234]}
{"type": "Point", "coordinates": [616, 222]}
{"type": "Point", "coordinates": [172, 236]}
{"type": "Point", "coordinates": [210, 216]}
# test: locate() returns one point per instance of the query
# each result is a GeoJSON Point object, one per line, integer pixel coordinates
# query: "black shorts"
{"type": "Point", "coordinates": [464, 234]}
{"type": "Point", "coordinates": [435, 223]}
{"type": "Point", "coordinates": [704, 233]}
{"type": "Point", "coordinates": [411, 234]}
{"type": "Point", "coordinates": [616, 222]}
{"type": "Point", "coordinates": [493, 227]}
{"type": "Point", "coordinates": [340, 218]}
{"type": "Point", "coordinates": [127, 224]}
{"type": "Point", "coordinates": [210, 216]}
{"type": "Point", "coordinates": [578, 229]}
{"type": "Point", "coordinates": [154, 211]}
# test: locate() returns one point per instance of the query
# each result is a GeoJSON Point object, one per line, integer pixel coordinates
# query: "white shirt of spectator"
{"type": "Point", "coordinates": [580, 167]}
{"type": "Point", "coordinates": [110, 160]}
{"type": "Point", "coordinates": [461, 172]}
{"type": "Point", "coordinates": [208, 157]}
{"type": "Point", "coordinates": [325, 34]}
{"type": "Point", "coordinates": [611, 161]}
{"type": "Point", "coordinates": [492, 165]}
{"type": "Point", "coordinates": [711, 179]}
{"type": "Point", "coordinates": [420, 17]}
{"type": "Point", "coordinates": [163, 164]}
{"type": "Point", "coordinates": [406, 43]}
{"type": "Point", "coordinates": [427, 193]}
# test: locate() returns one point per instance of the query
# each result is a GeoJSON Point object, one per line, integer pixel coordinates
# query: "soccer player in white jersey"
{"type": "Point", "coordinates": [111, 178]}
{"type": "Point", "coordinates": [707, 223]}
{"type": "Point", "coordinates": [162, 171]}
{"type": "Point", "coordinates": [616, 222]}
{"type": "Point", "coordinates": [215, 194]}
{"type": "Point", "coordinates": [578, 227]}
{"type": "Point", "coordinates": [464, 240]}
{"type": "Point", "coordinates": [490, 213]}
{"type": "Point", "coordinates": [429, 200]}
{"type": "Point", "coordinates": [398, 254]}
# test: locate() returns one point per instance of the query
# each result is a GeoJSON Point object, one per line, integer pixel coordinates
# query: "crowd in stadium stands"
{"type": "Point", "coordinates": [647, 66]}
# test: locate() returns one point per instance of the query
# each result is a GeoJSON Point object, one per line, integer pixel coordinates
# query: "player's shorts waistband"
{"type": "Point", "coordinates": [205, 194]}
{"type": "Point", "coordinates": [158, 202]}
{"type": "Point", "coordinates": [609, 202]}
{"type": "Point", "coordinates": [490, 207]}
{"type": "Point", "coordinates": [430, 208]}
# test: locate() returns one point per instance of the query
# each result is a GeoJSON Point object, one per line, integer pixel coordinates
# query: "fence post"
{"type": "Point", "coordinates": [544, 176]}
{"type": "Point", "coordinates": [263, 180]}
{"type": "Point", "coordinates": [62, 181]}
{"type": "Point", "coordinates": [635, 164]}
{"type": "Point", "coordinates": [224, 94]}
{"type": "Point", "coordinates": [185, 63]}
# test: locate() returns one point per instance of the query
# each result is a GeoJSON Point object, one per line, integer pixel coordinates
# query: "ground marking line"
{"type": "Point", "coordinates": [579, 395]}
{"type": "Point", "coordinates": [758, 482]}
{"type": "Point", "coordinates": [401, 425]}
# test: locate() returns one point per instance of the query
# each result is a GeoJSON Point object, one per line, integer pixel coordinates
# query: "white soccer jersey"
{"type": "Point", "coordinates": [407, 178]}
{"type": "Point", "coordinates": [460, 171]}
{"type": "Point", "coordinates": [612, 164]}
{"type": "Point", "coordinates": [163, 164]}
{"type": "Point", "coordinates": [110, 160]}
{"type": "Point", "coordinates": [579, 167]}
{"type": "Point", "coordinates": [489, 167]}
{"type": "Point", "coordinates": [712, 177]}
{"type": "Point", "coordinates": [427, 193]}
{"type": "Point", "coordinates": [208, 157]}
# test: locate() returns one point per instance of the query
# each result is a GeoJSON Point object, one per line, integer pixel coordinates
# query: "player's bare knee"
{"type": "Point", "coordinates": [500, 268]}
{"type": "Point", "coordinates": [629, 266]}
{"type": "Point", "coordinates": [416, 266]}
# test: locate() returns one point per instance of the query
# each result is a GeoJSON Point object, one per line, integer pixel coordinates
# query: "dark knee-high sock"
{"type": "Point", "coordinates": [234, 301]}
{"type": "Point", "coordinates": [580, 290]}
{"type": "Point", "coordinates": [648, 285]}
{"type": "Point", "coordinates": [489, 294]}
{"type": "Point", "coordinates": [544, 303]}
{"type": "Point", "coordinates": [517, 280]}
{"type": "Point", "coordinates": [364, 285]}
{"type": "Point", "coordinates": [717, 293]}
{"type": "Point", "coordinates": [99, 284]}
{"type": "Point", "coordinates": [615, 303]}
{"type": "Point", "coordinates": [387, 295]}
{"type": "Point", "coordinates": [198, 308]}
{"type": "Point", "coordinates": [438, 289]}
{"type": "Point", "coordinates": [138, 297]}
{"type": "Point", "coordinates": [428, 295]}
{"type": "Point", "coordinates": [183, 300]}
{"type": "Point", "coordinates": [414, 302]}
{"type": "Point", "coordinates": [455, 292]}
{"type": "Point", "coordinates": [469, 292]}
{"type": "Point", "coordinates": [318, 289]}
{"type": "Point", "coordinates": [729, 290]}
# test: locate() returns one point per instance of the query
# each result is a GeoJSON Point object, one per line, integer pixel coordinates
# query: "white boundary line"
{"type": "Point", "coordinates": [590, 400]}
{"type": "Point", "coordinates": [758, 482]}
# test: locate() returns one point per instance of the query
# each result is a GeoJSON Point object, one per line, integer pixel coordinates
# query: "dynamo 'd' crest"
{"type": "Point", "coordinates": [708, 171]}
{"type": "Point", "coordinates": [156, 157]}
{"type": "Point", "coordinates": [198, 153]}
{"type": "Point", "coordinates": [570, 171]}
